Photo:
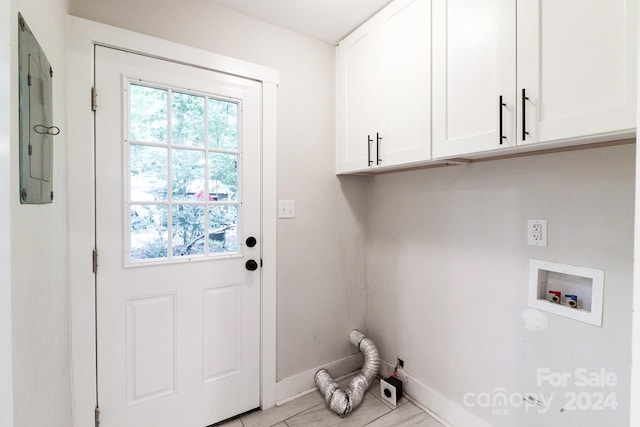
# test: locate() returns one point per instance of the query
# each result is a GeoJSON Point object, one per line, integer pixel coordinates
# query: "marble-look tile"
{"type": "Point", "coordinates": [233, 423]}
{"type": "Point", "coordinates": [370, 409]}
{"type": "Point", "coordinates": [277, 414]}
{"type": "Point", "coordinates": [310, 410]}
{"type": "Point", "coordinates": [408, 415]}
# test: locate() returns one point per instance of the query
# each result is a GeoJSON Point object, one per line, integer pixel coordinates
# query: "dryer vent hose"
{"type": "Point", "coordinates": [343, 402]}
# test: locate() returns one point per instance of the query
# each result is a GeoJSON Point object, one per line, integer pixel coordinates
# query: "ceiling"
{"type": "Point", "coordinates": [326, 20]}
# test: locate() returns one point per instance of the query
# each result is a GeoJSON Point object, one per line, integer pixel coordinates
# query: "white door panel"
{"type": "Point", "coordinates": [178, 331]}
{"type": "Point", "coordinates": [474, 53]}
{"type": "Point", "coordinates": [576, 61]}
{"type": "Point", "coordinates": [405, 65]}
{"type": "Point", "coordinates": [357, 108]}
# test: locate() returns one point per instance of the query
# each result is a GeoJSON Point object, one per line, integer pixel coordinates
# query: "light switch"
{"type": "Point", "coordinates": [287, 209]}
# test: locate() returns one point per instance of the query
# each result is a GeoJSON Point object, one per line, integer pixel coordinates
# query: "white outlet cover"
{"type": "Point", "coordinates": [287, 209]}
{"type": "Point", "coordinates": [537, 232]}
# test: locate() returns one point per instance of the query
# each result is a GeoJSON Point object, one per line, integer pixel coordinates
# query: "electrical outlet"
{"type": "Point", "coordinates": [400, 374]}
{"type": "Point", "coordinates": [537, 232]}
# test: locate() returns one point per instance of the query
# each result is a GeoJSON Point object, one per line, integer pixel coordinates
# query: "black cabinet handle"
{"type": "Point", "coordinates": [378, 139]}
{"type": "Point", "coordinates": [369, 142]}
{"type": "Point", "coordinates": [502, 137]}
{"type": "Point", "coordinates": [524, 115]}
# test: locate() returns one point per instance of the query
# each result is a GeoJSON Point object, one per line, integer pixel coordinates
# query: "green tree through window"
{"type": "Point", "coordinates": [183, 151]}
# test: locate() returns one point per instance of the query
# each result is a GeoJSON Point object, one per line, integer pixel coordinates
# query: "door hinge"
{"type": "Point", "coordinates": [30, 149]}
{"type": "Point", "coordinates": [97, 416]}
{"type": "Point", "coordinates": [94, 99]}
{"type": "Point", "coordinates": [29, 79]}
{"type": "Point", "coordinates": [95, 261]}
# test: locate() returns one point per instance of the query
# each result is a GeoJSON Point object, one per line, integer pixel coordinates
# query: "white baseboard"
{"type": "Point", "coordinates": [300, 384]}
{"type": "Point", "coordinates": [446, 411]}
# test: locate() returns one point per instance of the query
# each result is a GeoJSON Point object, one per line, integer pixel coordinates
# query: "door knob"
{"type": "Point", "coordinates": [251, 265]}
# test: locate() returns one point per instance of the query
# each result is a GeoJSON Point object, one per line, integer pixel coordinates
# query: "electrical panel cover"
{"type": "Point", "coordinates": [36, 119]}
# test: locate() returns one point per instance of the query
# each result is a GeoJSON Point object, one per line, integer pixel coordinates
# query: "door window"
{"type": "Point", "coordinates": [183, 155]}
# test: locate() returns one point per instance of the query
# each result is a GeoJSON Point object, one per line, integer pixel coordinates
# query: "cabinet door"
{"type": "Point", "coordinates": [357, 109]}
{"type": "Point", "coordinates": [577, 63]}
{"type": "Point", "coordinates": [405, 82]}
{"type": "Point", "coordinates": [474, 64]}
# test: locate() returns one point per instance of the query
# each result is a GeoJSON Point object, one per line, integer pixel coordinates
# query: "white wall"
{"type": "Point", "coordinates": [6, 374]}
{"type": "Point", "coordinates": [435, 238]}
{"type": "Point", "coordinates": [39, 305]}
{"type": "Point", "coordinates": [635, 371]}
{"type": "Point", "coordinates": [448, 276]}
{"type": "Point", "coordinates": [321, 251]}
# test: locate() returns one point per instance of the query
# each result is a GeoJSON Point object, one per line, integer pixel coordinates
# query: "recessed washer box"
{"type": "Point", "coordinates": [586, 284]}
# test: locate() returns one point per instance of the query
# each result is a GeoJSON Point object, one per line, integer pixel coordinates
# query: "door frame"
{"type": "Point", "coordinates": [84, 35]}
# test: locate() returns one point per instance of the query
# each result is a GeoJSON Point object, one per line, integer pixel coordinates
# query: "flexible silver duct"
{"type": "Point", "coordinates": [343, 402]}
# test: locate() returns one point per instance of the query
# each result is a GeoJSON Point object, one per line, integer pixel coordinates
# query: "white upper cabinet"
{"type": "Point", "coordinates": [474, 65]}
{"type": "Point", "coordinates": [357, 89]}
{"type": "Point", "coordinates": [577, 65]}
{"type": "Point", "coordinates": [571, 76]}
{"type": "Point", "coordinates": [405, 65]}
{"type": "Point", "coordinates": [384, 81]}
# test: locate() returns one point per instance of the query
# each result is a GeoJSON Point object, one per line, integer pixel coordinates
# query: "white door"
{"type": "Point", "coordinates": [577, 67]}
{"type": "Point", "coordinates": [177, 197]}
{"type": "Point", "coordinates": [474, 69]}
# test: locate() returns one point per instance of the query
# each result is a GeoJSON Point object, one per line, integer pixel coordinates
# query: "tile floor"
{"type": "Point", "coordinates": [310, 410]}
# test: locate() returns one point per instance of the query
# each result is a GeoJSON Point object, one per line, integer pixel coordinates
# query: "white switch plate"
{"type": "Point", "coordinates": [287, 209]}
{"type": "Point", "coordinates": [537, 232]}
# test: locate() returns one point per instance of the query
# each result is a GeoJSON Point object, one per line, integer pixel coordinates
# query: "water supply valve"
{"type": "Point", "coordinates": [555, 296]}
{"type": "Point", "coordinates": [572, 300]}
